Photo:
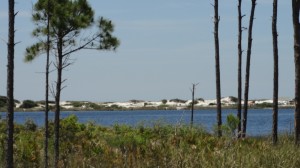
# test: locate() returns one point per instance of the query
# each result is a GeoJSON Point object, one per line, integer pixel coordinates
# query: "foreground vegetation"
{"type": "Point", "coordinates": [161, 145]}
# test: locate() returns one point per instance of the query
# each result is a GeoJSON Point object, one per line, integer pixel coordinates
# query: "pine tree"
{"type": "Point", "coordinates": [217, 67]}
{"type": "Point", "coordinates": [68, 19]}
{"type": "Point", "coordinates": [240, 52]}
{"type": "Point", "coordinates": [296, 9]}
{"type": "Point", "coordinates": [10, 85]}
{"type": "Point", "coordinates": [247, 78]}
{"type": "Point", "coordinates": [275, 84]}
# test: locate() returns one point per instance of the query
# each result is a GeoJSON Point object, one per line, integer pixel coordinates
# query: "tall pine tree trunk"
{"type": "Point", "coordinates": [10, 85]}
{"type": "Point", "coordinates": [47, 92]}
{"type": "Point", "coordinates": [275, 84]}
{"type": "Point", "coordinates": [193, 103]}
{"type": "Point", "coordinates": [247, 78]}
{"type": "Point", "coordinates": [217, 64]}
{"type": "Point", "coordinates": [296, 8]}
{"type": "Point", "coordinates": [239, 110]}
{"type": "Point", "coordinates": [57, 102]}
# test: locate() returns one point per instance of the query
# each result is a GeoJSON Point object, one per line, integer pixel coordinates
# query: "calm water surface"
{"type": "Point", "coordinates": [259, 120]}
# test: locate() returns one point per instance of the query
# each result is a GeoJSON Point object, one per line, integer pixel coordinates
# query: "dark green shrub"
{"type": "Point", "coordinates": [114, 106]}
{"type": "Point", "coordinates": [164, 101]}
{"type": "Point", "coordinates": [233, 99]}
{"type": "Point", "coordinates": [3, 101]}
{"type": "Point", "coordinates": [30, 125]}
{"type": "Point", "coordinates": [77, 103]}
{"type": "Point", "coordinates": [28, 104]}
{"type": "Point", "coordinates": [178, 101]}
{"type": "Point", "coordinates": [231, 125]}
{"type": "Point", "coordinates": [42, 102]}
{"type": "Point", "coordinates": [136, 101]}
{"type": "Point", "coordinates": [95, 106]}
{"type": "Point", "coordinates": [264, 105]}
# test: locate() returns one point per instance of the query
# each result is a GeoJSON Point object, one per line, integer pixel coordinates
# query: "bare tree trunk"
{"type": "Point", "coordinates": [246, 94]}
{"type": "Point", "coordinates": [296, 8]}
{"type": "Point", "coordinates": [10, 85]}
{"type": "Point", "coordinates": [217, 64]}
{"type": "Point", "coordinates": [57, 102]}
{"type": "Point", "coordinates": [239, 111]}
{"type": "Point", "coordinates": [275, 87]}
{"type": "Point", "coordinates": [193, 103]}
{"type": "Point", "coordinates": [47, 92]}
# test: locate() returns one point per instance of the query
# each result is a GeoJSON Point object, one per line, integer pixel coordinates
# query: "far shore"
{"type": "Point", "coordinates": [142, 109]}
{"type": "Point", "coordinates": [229, 102]}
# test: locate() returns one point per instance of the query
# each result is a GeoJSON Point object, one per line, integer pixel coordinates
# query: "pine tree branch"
{"type": "Point", "coordinates": [82, 46]}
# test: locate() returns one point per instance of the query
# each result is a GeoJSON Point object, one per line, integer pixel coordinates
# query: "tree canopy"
{"type": "Point", "coordinates": [68, 19]}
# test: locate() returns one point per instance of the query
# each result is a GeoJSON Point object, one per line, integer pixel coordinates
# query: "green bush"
{"type": "Point", "coordinates": [264, 105]}
{"type": "Point", "coordinates": [30, 125]}
{"type": "Point", "coordinates": [95, 106]}
{"type": "Point", "coordinates": [164, 101]}
{"type": "Point", "coordinates": [158, 145]}
{"type": "Point", "coordinates": [28, 104]}
{"type": "Point", "coordinates": [234, 99]}
{"type": "Point", "coordinates": [43, 102]}
{"type": "Point", "coordinates": [136, 101]}
{"type": "Point", "coordinates": [77, 103]}
{"type": "Point", "coordinates": [115, 107]}
{"type": "Point", "coordinates": [3, 101]}
{"type": "Point", "coordinates": [178, 100]}
{"type": "Point", "coordinates": [231, 124]}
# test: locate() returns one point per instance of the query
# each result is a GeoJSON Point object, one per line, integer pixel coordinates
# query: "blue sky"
{"type": "Point", "coordinates": [166, 45]}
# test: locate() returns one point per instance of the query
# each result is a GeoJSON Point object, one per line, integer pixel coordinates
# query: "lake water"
{"type": "Point", "coordinates": [259, 120]}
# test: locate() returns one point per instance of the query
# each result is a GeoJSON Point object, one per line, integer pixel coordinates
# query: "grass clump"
{"type": "Point", "coordinates": [159, 145]}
